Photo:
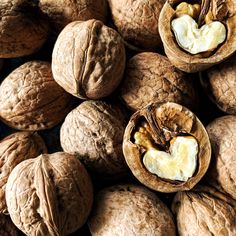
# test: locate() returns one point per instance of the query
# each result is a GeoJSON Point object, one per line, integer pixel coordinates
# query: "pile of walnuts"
{"type": "Point", "coordinates": [113, 121]}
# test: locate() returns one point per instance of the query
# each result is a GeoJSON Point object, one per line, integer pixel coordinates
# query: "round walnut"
{"type": "Point", "coordinates": [88, 59]}
{"type": "Point", "coordinates": [30, 99]}
{"type": "Point", "coordinates": [137, 21]}
{"type": "Point", "coordinates": [200, 35]}
{"type": "Point", "coordinates": [130, 210]}
{"type": "Point", "coordinates": [166, 147]}
{"type": "Point", "coordinates": [94, 132]}
{"type": "Point", "coordinates": [150, 77]}
{"type": "Point", "coordinates": [222, 171]}
{"type": "Point", "coordinates": [7, 228]}
{"type": "Point", "coordinates": [49, 195]}
{"type": "Point", "coordinates": [62, 12]}
{"type": "Point", "coordinates": [22, 28]}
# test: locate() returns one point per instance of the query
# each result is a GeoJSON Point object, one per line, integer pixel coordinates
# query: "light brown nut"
{"type": "Point", "coordinates": [137, 21]}
{"type": "Point", "coordinates": [88, 59]}
{"type": "Point", "coordinates": [222, 171]}
{"type": "Point", "coordinates": [201, 213]}
{"type": "Point", "coordinates": [130, 210]}
{"type": "Point", "coordinates": [150, 77]}
{"type": "Point", "coordinates": [49, 195]}
{"type": "Point", "coordinates": [30, 99]}
{"type": "Point", "coordinates": [94, 132]}
{"type": "Point", "coordinates": [7, 228]}
{"type": "Point", "coordinates": [23, 30]}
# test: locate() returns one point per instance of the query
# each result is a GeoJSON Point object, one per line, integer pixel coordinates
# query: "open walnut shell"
{"type": "Point", "coordinates": [166, 122]}
{"type": "Point", "coordinates": [192, 63]}
{"type": "Point", "coordinates": [7, 228]}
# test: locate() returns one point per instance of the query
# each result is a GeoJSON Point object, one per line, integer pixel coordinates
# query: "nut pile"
{"type": "Point", "coordinates": [117, 117]}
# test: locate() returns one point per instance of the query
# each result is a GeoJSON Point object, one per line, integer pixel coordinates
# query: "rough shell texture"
{"type": "Point", "coordinates": [193, 63]}
{"type": "Point", "coordinates": [222, 171]}
{"type": "Point", "coordinates": [62, 12]}
{"type": "Point", "coordinates": [7, 228]}
{"type": "Point", "coordinates": [150, 77]}
{"type": "Point", "coordinates": [137, 21]}
{"type": "Point", "coordinates": [30, 99]}
{"type": "Point", "coordinates": [130, 210]}
{"type": "Point", "coordinates": [94, 131]}
{"type": "Point", "coordinates": [14, 149]}
{"type": "Point", "coordinates": [23, 30]}
{"type": "Point", "coordinates": [88, 59]}
{"type": "Point", "coordinates": [49, 195]}
{"type": "Point", "coordinates": [173, 119]}
{"type": "Point", "coordinates": [203, 214]}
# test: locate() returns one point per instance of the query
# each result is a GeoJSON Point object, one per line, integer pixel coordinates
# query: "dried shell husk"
{"type": "Point", "coordinates": [49, 195]}
{"type": "Point", "coordinates": [30, 99]}
{"type": "Point", "coordinates": [7, 228]}
{"type": "Point", "coordinates": [177, 119]}
{"type": "Point", "coordinates": [130, 210]}
{"type": "Point", "coordinates": [88, 59]}
{"type": "Point", "coordinates": [193, 63]}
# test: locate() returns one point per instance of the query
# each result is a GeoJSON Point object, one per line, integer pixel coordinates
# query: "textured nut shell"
{"type": "Point", "coordinates": [222, 171]}
{"type": "Point", "coordinates": [62, 12]}
{"type": "Point", "coordinates": [94, 131]}
{"type": "Point", "coordinates": [193, 63]}
{"type": "Point", "coordinates": [23, 31]}
{"type": "Point", "coordinates": [137, 21]}
{"type": "Point", "coordinates": [173, 117]}
{"type": "Point", "coordinates": [203, 214]}
{"type": "Point", "coordinates": [49, 195]}
{"type": "Point", "coordinates": [130, 210]}
{"type": "Point", "coordinates": [30, 99]}
{"type": "Point", "coordinates": [7, 228]}
{"type": "Point", "coordinates": [14, 149]}
{"type": "Point", "coordinates": [150, 77]}
{"type": "Point", "coordinates": [88, 59]}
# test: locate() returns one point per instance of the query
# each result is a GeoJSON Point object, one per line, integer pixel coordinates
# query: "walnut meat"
{"type": "Point", "coordinates": [49, 195]}
{"type": "Point", "coordinates": [130, 210]}
{"type": "Point", "coordinates": [150, 77]}
{"type": "Point", "coordinates": [94, 132]}
{"type": "Point", "coordinates": [88, 59]}
{"type": "Point", "coordinates": [30, 99]}
{"type": "Point", "coordinates": [7, 228]}
{"type": "Point", "coordinates": [23, 29]}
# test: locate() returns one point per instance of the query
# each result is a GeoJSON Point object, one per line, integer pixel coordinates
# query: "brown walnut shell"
{"type": "Point", "coordinates": [130, 210]}
{"type": "Point", "coordinates": [30, 99]}
{"type": "Point", "coordinates": [88, 59]}
{"type": "Point", "coordinates": [49, 195]}
{"type": "Point", "coordinates": [23, 29]}
{"type": "Point", "coordinates": [222, 171]}
{"type": "Point", "coordinates": [7, 228]}
{"type": "Point", "coordinates": [193, 63]}
{"type": "Point", "coordinates": [94, 132]}
{"type": "Point", "coordinates": [166, 120]}
{"type": "Point", "coordinates": [150, 77]}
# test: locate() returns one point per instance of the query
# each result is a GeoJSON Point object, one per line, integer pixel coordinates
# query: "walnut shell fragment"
{"type": "Point", "coordinates": [49, 195]}
{"type": "Point", "coordinates": [7, 228]}
{"type": "Point", "coordinates": [150, 77]}
{"type": "Point", "coordinates": [88, 59]}
{"type": "Point", "coordinates": [30, 99]}
{"type": "Point", "coordinates": [222, 11]}
{"type": "Point", "coordinates": [164, 124]}
{"type": "Point", "coordinates": [130, 210]}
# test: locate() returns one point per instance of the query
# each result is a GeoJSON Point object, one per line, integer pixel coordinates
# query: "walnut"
{"type": "Point", "coordinates": [150, 77]}
{"type": "Point", "coordinates": [166, 147]}
{"type": "Point", "coordinates": [30, 99]}
{"type": "Point", "coordinates": [7, 228]}
{"type": "Point", "coordinates": [94, 132]}
{"type": "Point", "coordinates": [88, 59]}
{"type": "Point", "coordinates": [49, 195]}
{"type": "Point", "coordinates": [23, 29]}
{"type": "Point", "coordinates": [222, 174]}
{"type": "Point", "coordinates": [130, 210]}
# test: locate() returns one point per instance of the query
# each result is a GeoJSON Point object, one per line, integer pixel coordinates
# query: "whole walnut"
{"type": "Point", "coordinates": [130, 210]}
{"type": "Point", "coordinates": [23, 29]}
{"type": "Point", "coordinates": [30, 99]}
{"type": "Point", "coordinates": [150, 77]}
{"type": "Point", "coordinates": [49, 195]}
{"type": "Point", "coordinates": [7, 228]}
{"type": "Point", "coordinates": [88, 59]}
{"type": "Point", "coordinates": [94, 132]}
